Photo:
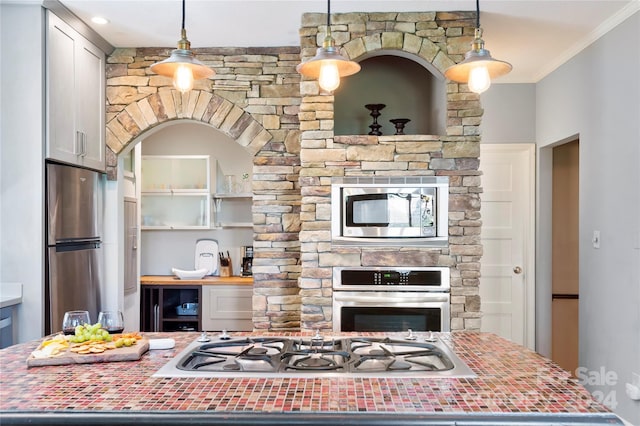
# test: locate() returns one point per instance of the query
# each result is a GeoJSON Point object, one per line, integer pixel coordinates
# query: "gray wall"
{"type": "Point", "coordinates": [509, 113]}
{"type": "Point", "coordinates": [21, 165]}
{"type": "Point", "coordinates": [596, 96]}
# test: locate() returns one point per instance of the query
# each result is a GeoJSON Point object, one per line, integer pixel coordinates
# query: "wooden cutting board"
{"type": "Point", "coordinates": [131, 353]}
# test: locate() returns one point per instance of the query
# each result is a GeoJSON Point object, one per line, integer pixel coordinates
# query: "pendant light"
{"type": "Point", "coordinates": [182, 65]}
{"type": "Point", "coordinates": [328, 65]}
{"type": "Point", "coordinates": [478, 67]}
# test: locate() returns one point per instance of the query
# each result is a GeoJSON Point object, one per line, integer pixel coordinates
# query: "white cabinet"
{"type": "Point", "coordinates": [75, 97]}
{"type": "Point", "coordinates": [175, 192]}
{"type": "Point", "coordinates": [227, 307]}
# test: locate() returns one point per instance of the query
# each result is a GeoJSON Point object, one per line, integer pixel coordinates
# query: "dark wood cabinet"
{"type": "Point", "coordinates": [160, 305]}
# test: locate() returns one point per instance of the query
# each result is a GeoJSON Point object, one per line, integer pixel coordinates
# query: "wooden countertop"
{"type": "Point", "coordinates": [209, 280]}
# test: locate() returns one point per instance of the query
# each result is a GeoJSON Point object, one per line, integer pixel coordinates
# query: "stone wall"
{"type": "Point", "coordinates": [254, 98]}
{"type": "Point", "coordinates": [258, 99]}
{"type": "Point", "coordinates": [434, 38]}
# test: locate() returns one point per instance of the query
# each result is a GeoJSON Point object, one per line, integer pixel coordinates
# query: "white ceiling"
{"type": "Point", "coordinates": [536, 36]}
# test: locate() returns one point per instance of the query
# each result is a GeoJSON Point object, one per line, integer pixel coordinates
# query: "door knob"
{"type": "Point", "coordinates": [517, 270]}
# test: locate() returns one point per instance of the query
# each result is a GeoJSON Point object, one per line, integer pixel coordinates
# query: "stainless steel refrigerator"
{"type": "Point", "coordinates": [74, 268]}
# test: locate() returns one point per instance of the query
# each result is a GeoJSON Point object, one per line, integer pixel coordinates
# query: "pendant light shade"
{"type": "Point", "coordinates": [328, 65]}
{"type": "Point", "coordinates": [182, 65]}
{"type": "Point", "coordinates": [478, 67]}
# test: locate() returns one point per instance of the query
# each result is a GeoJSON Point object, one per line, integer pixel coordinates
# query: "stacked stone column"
{"type": "Point", "coordinates": [439, 38]}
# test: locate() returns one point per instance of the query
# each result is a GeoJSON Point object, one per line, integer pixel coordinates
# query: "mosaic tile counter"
{"type": "Point", "coordinates": [514, 386]}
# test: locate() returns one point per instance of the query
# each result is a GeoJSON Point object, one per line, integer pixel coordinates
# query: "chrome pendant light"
{"type": "Point", "coordinates": [478, 67]}
{"type": "Point", "coordinates": [328, 65]}
{"type": "Point", "coordinates": [182, 65]}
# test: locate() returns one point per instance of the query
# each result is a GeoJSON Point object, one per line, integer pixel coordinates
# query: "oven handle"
{"type": "Point", "coordinates": [389, 297]}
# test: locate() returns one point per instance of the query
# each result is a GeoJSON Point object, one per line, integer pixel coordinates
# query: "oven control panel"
{"type": "Point", "coordinates": [423, 278]}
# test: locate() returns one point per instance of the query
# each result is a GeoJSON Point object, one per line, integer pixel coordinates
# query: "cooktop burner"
{"type": "Point", "coordinates": [322, 356]}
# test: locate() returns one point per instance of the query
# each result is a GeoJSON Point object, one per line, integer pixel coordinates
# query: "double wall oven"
{"type": "Point", "coordinates": [391, 299]}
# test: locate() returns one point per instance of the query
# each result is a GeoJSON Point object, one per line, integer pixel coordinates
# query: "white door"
{"type": "Point", "coordinates": [507, 267]}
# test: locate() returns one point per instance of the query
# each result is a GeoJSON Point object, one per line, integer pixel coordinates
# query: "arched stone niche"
{"type": "Point", "coordinates": [408, 86]}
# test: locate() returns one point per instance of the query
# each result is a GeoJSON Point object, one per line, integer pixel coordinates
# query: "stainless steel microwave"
{"type": "Point", "coordinates": [390, 211]}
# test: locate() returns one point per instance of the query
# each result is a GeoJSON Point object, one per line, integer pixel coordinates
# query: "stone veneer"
{"type": "Point", "coordinates": [438, 39]}
{"type": "Point", "coordinates": [254, 99]}
{"type": "Point", "coordinates": [258, 99]}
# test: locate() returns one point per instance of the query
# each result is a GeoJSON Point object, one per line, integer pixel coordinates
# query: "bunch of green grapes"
{"type": "Point", "coordinates": [87, 332]}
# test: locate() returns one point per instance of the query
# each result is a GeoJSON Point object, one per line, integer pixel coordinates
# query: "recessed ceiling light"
{"type": "Point", "coordinates": [99, 20]}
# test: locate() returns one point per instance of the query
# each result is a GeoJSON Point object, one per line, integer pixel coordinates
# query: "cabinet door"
{"type": "Point", "coordinates": [90, 68]}
{"type": "Point", "coordinates": [75, 97]}
{"type": "Point", "coordinates": [227, 307]}
{"type": "Point", "coordinates": [62, 141]}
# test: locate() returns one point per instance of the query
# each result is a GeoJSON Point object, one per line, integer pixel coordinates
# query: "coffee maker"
{"type": "Point", "coordinates": [247, 260]}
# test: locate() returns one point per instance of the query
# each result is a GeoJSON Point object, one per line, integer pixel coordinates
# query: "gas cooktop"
{"type": "Point", "coordinates": [321, 356]}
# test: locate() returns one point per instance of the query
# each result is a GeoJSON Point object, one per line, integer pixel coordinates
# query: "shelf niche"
{"type": "Point", "coordinates": [409, 89]}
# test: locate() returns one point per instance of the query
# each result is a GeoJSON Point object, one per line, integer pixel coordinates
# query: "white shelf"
{"type": "Point", "coordinates": [176, 191]}
{"type": "Point", "coordinates": [220, 195]}
{"type": "Point", "coordinates": [234, 225]}
{"type": "Point", "coordinates": [171, 228]}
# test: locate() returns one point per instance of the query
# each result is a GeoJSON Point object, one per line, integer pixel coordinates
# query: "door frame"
{"type": "Point", "coordinates": [544, 259]}
{"type": "Point", "coordinates": [529, 231]}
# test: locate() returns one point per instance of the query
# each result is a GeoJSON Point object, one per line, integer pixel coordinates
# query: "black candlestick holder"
{"type": "Point", "coordinates": [375, 113]}
{"type": "Point", "coordinates": [399, 123]}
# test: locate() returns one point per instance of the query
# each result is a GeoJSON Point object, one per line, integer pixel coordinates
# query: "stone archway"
{"type": "Point", "coordinates": [141, 115]}
{"type": "Point", "coordinates": [422, 49]}
{"type": "Point", "coordinates": [254, 99]}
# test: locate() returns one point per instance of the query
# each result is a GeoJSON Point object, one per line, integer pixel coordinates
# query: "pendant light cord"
{"type": "Point", "coordinates": [477, 13]}
{"type": "Point", "coordinates": [183, 8]}
{"type": "Point", "coordinates": [328, 13]}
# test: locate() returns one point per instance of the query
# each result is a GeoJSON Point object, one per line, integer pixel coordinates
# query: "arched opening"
{"type": "Point", "coordinates": [407, 89]}
{"type": "Point", "coordinates": [160, 250]}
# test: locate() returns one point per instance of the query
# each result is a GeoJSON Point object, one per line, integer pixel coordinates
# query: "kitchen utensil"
{"type": "Point", "coordinates": [226, 270]}
{"type": "Point", "coordinates": [189, 275]}
{"type": "Point", "coordinates": [112, 321]}
{"type": "Point", "coordinates": [205, 256]}
{"type": "Point", "coordinates": [72, 319]}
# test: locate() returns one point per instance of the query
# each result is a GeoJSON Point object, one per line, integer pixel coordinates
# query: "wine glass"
{"type": "Point", "coordinates": [112, 321]}
{"type": "Point", "coordinates": [72, 319]}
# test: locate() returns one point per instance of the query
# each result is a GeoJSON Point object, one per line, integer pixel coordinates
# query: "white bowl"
{"type": "Point", "coordinates": [189, 275]}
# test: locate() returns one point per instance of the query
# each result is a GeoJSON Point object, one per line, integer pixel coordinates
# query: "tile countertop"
{"type": "Point", "coordinates": [514, 386]}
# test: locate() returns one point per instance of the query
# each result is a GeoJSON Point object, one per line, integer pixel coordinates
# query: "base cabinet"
{"type": "Point", "coordinates": [160, 308]}
{"type": "Point", "coordinates": [227, 307]}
